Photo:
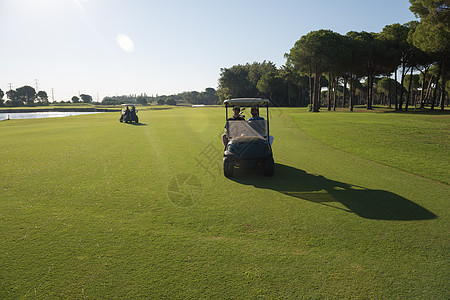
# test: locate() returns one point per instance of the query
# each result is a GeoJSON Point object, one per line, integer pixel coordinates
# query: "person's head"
{"type": "Point", "coordinates": [236, 111]}
{"type": "Point", "coordinates": [255, 111]}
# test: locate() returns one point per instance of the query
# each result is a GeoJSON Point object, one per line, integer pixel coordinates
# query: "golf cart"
{"type": "Point", "coordinates": [129, 114]}
{"type": "Point", "coordinates": [249, 143]}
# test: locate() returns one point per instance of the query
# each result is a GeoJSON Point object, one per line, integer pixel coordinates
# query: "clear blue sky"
{"type": "Point", "coordinates": [116, 47]}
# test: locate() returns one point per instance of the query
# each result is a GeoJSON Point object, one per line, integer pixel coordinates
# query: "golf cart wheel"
{"type": "Point", "coordinates": [228, 167]}
{"type": "Point", "coordinates": [269, 167]}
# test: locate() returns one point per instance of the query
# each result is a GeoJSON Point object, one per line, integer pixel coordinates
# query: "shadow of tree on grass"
{"type": "Point", "coordinates": [366, 203]}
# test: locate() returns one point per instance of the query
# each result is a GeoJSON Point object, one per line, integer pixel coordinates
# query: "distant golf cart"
{"type": "Point", "coordinates": [129, 114]}
{"type": "Point", "coordinates": [248, 141]}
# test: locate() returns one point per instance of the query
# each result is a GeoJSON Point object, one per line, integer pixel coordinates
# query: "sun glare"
{"type": "Point", "coordinates": [125, 43]}
{"type": "Point", "coordinates": [79, 3]}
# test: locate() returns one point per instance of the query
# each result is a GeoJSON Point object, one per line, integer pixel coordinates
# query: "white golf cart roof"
{"type": "Point", "coordinates": [246, 102]}
{"type": "Point", "coordinates": [129, 104]}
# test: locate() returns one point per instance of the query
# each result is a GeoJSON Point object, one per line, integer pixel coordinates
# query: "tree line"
{"type": "Point", "coordinates": [325, 68]}
{"type": "Point", "coordinates": [27, 96]}
{"type": "Point", "coordinates": [209, 97]}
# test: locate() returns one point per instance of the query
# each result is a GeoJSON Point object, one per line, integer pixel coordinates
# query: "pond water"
{"type": "Point", "coordinates": [39, 115]}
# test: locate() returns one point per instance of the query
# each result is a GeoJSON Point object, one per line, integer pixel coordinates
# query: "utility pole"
{"type": "Point", "coordinates": [37, 85]}
{"type": "Point", "coordinates": [53, 95]}
{"type": "Point", "coordinates": [10, 86]}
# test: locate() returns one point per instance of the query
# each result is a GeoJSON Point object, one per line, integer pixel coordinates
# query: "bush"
{"type": "Point", "coordinates": [171, 102]}
{"type": "Point", "coordinates": [141, 100]}
{"type": "Point", "coordinates": [111, 101]}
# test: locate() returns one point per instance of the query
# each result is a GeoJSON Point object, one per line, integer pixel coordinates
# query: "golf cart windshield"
{"type": "Point", "coordinates": [129, 106]}
{"type": "Point", "coordinates": [256, 128]}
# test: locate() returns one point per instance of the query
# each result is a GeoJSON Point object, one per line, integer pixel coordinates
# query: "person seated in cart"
{"type": "Point", "coordinates": [255, 114]}
{"type": "Point", "coordinates": [256, 121]}
{"type": "Point", "coordinates": [236, 117]}
{"type": "Point", "coordinates": [236, 114]}
{"type": "Point", "coordinates": [133, 112]}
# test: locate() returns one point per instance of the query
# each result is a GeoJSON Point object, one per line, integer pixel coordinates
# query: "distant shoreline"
{"type": "Point", "coordinates": [55, 109]}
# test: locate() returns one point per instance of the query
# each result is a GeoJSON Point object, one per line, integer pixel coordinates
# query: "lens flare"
{"type": "Point", "coordinates": [125, 43]}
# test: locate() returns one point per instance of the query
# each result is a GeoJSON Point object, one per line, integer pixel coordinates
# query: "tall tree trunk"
{"type": "Point", "coordinates": [396, 91]}
{"type": "Point", "coordinates": [408, 99]}
{"type": "Point", "coordinates": [344, 92]}
{"type": "Point", "coordinates": [351, 101]}
{"type": "Point", "coordinates": [402, 82]}
{"type": "Point", "coordinates": [310, 87]}
{"type": "Point", "coordinates": [433, 101]}
{"type": "Point", "coordinates": [335, 80]}
{"type": "Point", "coordinates": [288, 94]}
{"type": "Point", "coordinates": [443, 84]}
{"type": "Point", "coordinates": [422, 94]}
{"type": "Point", "coordinates": [329, 91]}
{"type": "Point", "coordinates": [428, 92]}
{"type": "Point", "coordinates": [317, 92]}
{"type": "Point", "coordinates": [433, 98]}
{"type": "Point", "coordinates": [370, 92]}
{"type": "Point", "coordinates": [315, 100]}
{"type": "Point", "coordinates": [370, 79]}
{"type": "Point", "coordinates": [389, 93]}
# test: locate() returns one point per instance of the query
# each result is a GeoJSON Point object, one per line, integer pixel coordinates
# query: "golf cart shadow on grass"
{"type": "Point", "coordinates": [137, 124]}
{"type": "Point", "coordinates": [366, 203]}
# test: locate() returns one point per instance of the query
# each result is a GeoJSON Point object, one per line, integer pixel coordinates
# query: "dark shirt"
{"type": "Point", "coordinates": [236, 118]}
{"type": "Point", "coordinates": [255, 119]}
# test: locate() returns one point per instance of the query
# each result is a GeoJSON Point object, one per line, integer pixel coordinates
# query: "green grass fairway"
{"type": "Point", "coordinates": [93, 208]}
